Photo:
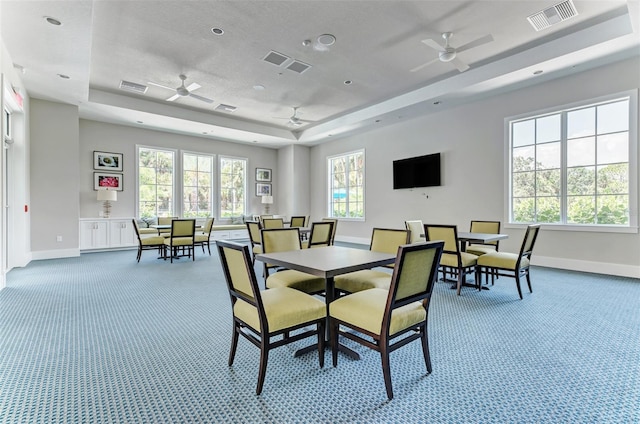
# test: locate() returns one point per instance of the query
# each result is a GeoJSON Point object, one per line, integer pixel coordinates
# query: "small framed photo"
{"type": "Point", "coordinates": [103, 180]}
{"type": "Point", "coordinates": [263, 175]}
{"type": "Point", "coordinates": [263, 189]}
{"type": "Point", "coordinates": [105, 161]}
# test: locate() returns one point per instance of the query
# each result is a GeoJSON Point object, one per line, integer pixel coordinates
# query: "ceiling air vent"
{"type": "Point", "coordinates": [132, 86]}
{"type": "Point", "coordinates": [552, 15]}
{"type": "Point", "coordinates": [226, 108]}
{"type": "Point", "coordinates": [297, 66]}
{"type": "Point", "coordinates": [276, 58]}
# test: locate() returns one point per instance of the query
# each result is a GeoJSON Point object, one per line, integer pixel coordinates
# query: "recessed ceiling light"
{"type": "Point", "coordinates": [326, 39]}
{"type": "Point", "coordinates": [217, 31]}
{"type": "Point", "coordinates": [538, 72]}
{"type": "Point", "coordinates": [258, 87]}
{"type": "Point", "coordinates": [52, 21]}
{"type": "Point", "coordinates": [63, 76]}
{"type": "Point", "coordinates": [348, 82]}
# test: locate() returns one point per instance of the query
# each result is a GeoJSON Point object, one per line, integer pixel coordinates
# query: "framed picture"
{"type": "Point", "coordinates": [263, 174]}
{"type": "Point", "coordinates": [107, 161]}
{"type": "Point", "coordinates": [263, 189]}
{"type": "Point", "coordinates": [104, 180]}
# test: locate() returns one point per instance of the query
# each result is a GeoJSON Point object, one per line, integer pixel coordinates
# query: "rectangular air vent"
{"type": "Point", "coordinates": [226, 108]}
{"type": "Point", "coordinates": [552, 15]}
{"type": "Point", "coordinates": [275, 58]}
{"type": "Point", "coordinates": [132, 86]}
{"type": "Point", "coordinates": [297, 66]}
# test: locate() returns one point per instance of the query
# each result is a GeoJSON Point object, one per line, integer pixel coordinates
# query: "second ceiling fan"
{"type": "Point", "coordinates": [446, 53]}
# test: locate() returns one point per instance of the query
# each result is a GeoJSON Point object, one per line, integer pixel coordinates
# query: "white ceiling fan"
{"type": "Point", "coordinates": [294, 120]}
{"type": "Point", "coordinates": [183, 91]}
{"type": "Point", "coordinates": [447, 53]}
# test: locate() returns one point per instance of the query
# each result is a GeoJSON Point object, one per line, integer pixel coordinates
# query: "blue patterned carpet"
{"type": "Point", "coordinates": [102, 339]}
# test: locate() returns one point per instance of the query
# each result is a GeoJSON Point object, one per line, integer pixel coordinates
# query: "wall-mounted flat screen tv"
{"type": "Point", "coordinates": [421, 171]}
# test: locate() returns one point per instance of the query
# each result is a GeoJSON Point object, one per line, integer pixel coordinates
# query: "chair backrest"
{"type": "Point", "coordinates": [321, 233]}
{"type": "Point", "coordinates": [414, 276]}
{"type": "Point", "coordinates": [387, 240]}
{"type": "Point", "coordinates": [446, 233]}
{"type": "Point", "coordinates": [241, 277]}
{"type": "Point", "coordinates": [280, 239]}
{"type": "Point", "coordinates": [263, 217]}
{"type": "Point", "coordinates": [208, 226]}
{"type": "Point", "coordinates": [529, 240]}
{"type": "Point", "coordinates": [135, 227]}
{"type": "Point", "coordinates": [297, 221]}
{"type": "Point", "coordinates": [487, 227]}
{"type": "Point", "coordinates": [335, 227]}
{"type": "Point", "coordinates": [166, 220]}
{"type": "Point", "coordinates": [183, 228]}
{"type": "Point", "coordinates": [272, 223]}
{"type": "Point", "coordinates": [417, 230]}
{"type": "Point", "coordinates": [254, 228]}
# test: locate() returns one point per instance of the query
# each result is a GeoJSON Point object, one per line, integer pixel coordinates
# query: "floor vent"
{"type": "Point", "coordinates": [553, 15]}
{"type": "Point", "coordinates": [134, 87]}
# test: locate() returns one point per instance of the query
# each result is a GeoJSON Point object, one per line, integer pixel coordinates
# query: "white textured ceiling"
{"type": "Point", "coordinates": [103, 42]}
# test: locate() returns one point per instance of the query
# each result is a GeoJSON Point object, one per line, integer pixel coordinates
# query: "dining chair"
{"type": "Point", "coordinates": [181, 238]}
{"type": "Point", "coordinates": [204, 237]}
{"type": "Point", "coordinates": [453, 261]}
{"type": "Point", "coordinates": [320, 235]}
{"type": "Point", "coordinates": [148, 243]}
{"type": "Point", "coordinates": [165, 220]}
{"type": "Point", "coordinates": [254, 227]}
{"type": "Point", "coordinates": [379, 316]}
{"type": "Point", "coordinates": [335, 228]}
{"type": "Point", "coordinates": [297, 221]}
{"type": "Point", "coordinates": [262, 217]}
{"type": "Point", "coordinates": [284, 240]}
{"type": "Point", "coordinates": [417, 230]}
{"type": "Point", "coordinates": [263, 316]}
{"type": "Point", "coordinates": [272, 223]}
{"type": "Point", "coordinates": [385, 240]}
{"type": "Point", "coordinates": [515, 265]}
{"type": "Point", "coordinates": [488, 227]}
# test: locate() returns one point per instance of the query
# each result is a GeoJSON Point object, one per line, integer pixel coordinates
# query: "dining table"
{"type": "Point", "coordinates": [465, 237]}
{"type": "Point", "coordinates": [328, 262]}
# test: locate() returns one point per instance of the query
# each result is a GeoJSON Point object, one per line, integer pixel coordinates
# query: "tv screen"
{"type": "Point", "coordinates": [421, 171]}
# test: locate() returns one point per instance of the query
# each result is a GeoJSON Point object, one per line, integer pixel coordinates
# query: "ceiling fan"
{"type": "Point", "coordinates": [294, 120]}
{"type": "Point", "coordinates": [447, 53]}
{"type": "Point", "coordinates": [183, 91]}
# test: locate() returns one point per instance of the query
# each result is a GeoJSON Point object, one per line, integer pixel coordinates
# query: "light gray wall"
{"type": "Point", "coordinates": [54, 176]}
{"type": "Point", "coordinates": [471, 140]}
{"type": "Point", "coordinates": [123, 139]}
{"type": "Point", "coordinates": [293, 197]}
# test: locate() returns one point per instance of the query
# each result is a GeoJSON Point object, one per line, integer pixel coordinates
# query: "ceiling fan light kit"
{"type": "Point", "coordinates": [447, 54]}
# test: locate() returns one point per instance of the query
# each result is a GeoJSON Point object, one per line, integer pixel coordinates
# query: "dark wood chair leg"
{"type": "Point", "coordinates": [386, 369]}
{"type": "Point", "coordinates": [234, 344]}
{"type": "Point", "coordinates": [518, 284]}
{"type": "Point", "coordinates": [460, 277]}
{"type": "Point", "coordinates": [425, 347]}
{"type": "Point", "coordinates": [529, 281]}
{"type": "Point", "coordinates": [264, 356]}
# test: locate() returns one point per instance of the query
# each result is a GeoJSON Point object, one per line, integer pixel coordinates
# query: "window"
{"type": "Point", "coordinates": [155, 182]}
{"type": "Point", "coordinates": [233, 177]}
{"type": "Point", "coordinates": [346, 185]}
{"type": "Point", "coordinates": [575, 166]}
{"type": "Point", "coordinates": [197, 185]}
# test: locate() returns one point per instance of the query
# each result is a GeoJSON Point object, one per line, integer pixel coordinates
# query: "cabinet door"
{"type": "Point", "coordinates": [121, 233]}
{"type": "Point", "coordinates": [94, 235]}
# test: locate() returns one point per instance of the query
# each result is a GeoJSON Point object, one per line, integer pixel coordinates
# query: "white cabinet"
{"type": "Point", "coordinates": [106, 233]}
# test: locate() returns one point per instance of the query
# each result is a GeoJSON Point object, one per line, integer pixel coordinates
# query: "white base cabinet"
{"type": "Point", "coordinates": [106, 233]}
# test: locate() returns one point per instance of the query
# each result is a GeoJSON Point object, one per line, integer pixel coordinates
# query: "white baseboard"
{"type": "Point", "coordinates": [587, 266]}
{"type": "Point", "coordinates": [54, 254]}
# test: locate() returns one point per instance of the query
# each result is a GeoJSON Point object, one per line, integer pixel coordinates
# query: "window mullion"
{"type": "Point", "coordinates": [563, 167]}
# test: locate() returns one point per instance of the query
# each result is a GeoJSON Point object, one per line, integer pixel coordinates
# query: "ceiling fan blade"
{"type": "Point", "coordinates": [174, 97]}
{"type": "Point", "coordinates": [430, 43]}
{"type": "Point", "coordinates": [424, 65]}
{"type": "Point", "coordinates": [161, 86]}
{"type": "Point", "coordinates": [204, 99]}
{"type": "Point", "coordinates": [459, 64]}
{"type": "Point", "coordinates": [475, 43]}
{"type": "Point", "coordinates": [193, 86]}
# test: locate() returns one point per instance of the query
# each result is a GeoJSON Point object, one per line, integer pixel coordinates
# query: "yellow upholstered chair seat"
{"type": "Point", "coordinates": [363, 280]}
{"type": "Point", "coordinates": [479, 249]}
{"type": "Point", "coordinates": [152, 241]}
{"type": "Point", "coordinates": [200, 238]}
{"type": "Point", "coordinates": [449, 259]}
{"type": "Point", "coordinates": [365, 309]}
{"type": "Point", "coordinates": [178, 241]}
{"type": "Point", "coordinates": [502, 260]}
{"type": "Point", "coordinates": [148, 231]}
{"type": "Point", "coordinates": [296, 280]}
{"type": "Point", "coordinates": [300, 308]}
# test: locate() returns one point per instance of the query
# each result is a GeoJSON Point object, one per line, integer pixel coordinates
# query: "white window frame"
{"type": "Point", "coordinates": [219, 185]}
{"type": "Point", "coordinates": [215, 196]}
{"type": "Point", "coordinates": [176, 191]}
{"type": "Point", "coordinates": [330, 185]}
{"type": "Point", "coordinates": [632, 95]}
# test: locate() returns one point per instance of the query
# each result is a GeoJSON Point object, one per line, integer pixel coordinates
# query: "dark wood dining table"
{"type": "Point", "coordinates": [328, 262]}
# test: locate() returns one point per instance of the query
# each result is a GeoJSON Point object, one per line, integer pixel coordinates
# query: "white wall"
{"type": "Point", "coordinates": [123, 139]}
{"type": "Point", "coordinates": [471, 140]}
{"type": "Point", "coordinates": [293, 196]}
